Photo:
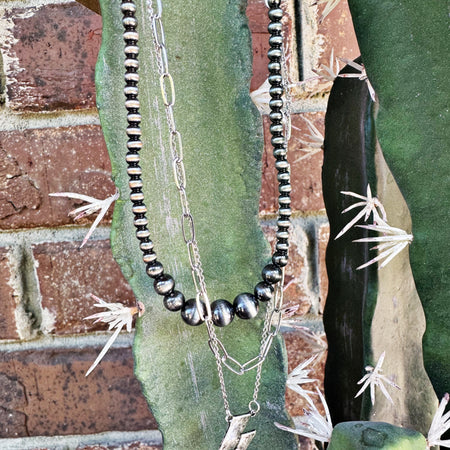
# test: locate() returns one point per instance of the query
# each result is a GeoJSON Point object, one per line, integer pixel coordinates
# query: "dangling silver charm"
{"type": "Point", "coordinates": [234, 439]}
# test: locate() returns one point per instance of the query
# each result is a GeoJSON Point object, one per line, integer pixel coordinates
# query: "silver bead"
{"type": "Point", "coordinates": [134, 184]}
{"type": "Point", "coordinates": [142, 234]}
{"type": "Point", "coordinates": [132, 76]}
{"type": "Point", "coordinates": [134, 118]}
{"type": "Point", "coordinates": [132, 158]}
{"type": "Point", "coordinates": [222, 313]}
{"type": "Point", "coordinates": [134, 131]}
{"type": "Point", "coordinates": [131, 50]}
{"type": "Point", "coordinates": [131, 90]}
{"type": "Point", "coordinates": [149, 257]}
{"type": "Point", "coordinates": [134, 145]}
{"type": "Point", "coordinates": [145, 246]}
{"type": "Point", "coordinates": [190, 314]}
{"type": "Point", "coordinates": [284, 188]}
{"type": "Point", "coordinates": [134, 171]}
{"type": "Point", "coordinates": [282, 234]}
{"type": "Point", "coordinates": [128, 7]}
{"type": "Point", "coordinates": [246, 306]}
{"type": "Point", "coordinates": [281, 164]}
{"type": "Point", "coordinates": [130, 62]}
{"type": "Point", "coordinates": [139, 209]}
{"type": "Point", "coordinates": [140, 222]}
{"type": "Point", "coordinates": [174, 301]}
{"type": "Point", "coordinates": [283, 223]}
{"type": "Point", "coordinates": [131, 35]}
{"type": "Point", "coordinates": [137, 197]}
{"type": "Point", "coordinates": [130, 21]}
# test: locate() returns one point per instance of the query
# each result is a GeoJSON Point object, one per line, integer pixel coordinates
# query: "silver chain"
{"type": "Point", "coordinates": [272, 321]}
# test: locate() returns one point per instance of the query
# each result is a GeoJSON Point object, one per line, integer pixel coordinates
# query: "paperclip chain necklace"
{"type": "Point", "coordinates": [199, 309]}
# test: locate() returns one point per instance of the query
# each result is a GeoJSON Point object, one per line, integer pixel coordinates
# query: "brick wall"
{"type": "Point", "coordinates": [47, 118]}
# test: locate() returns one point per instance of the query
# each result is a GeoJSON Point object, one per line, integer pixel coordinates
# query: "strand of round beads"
{"type": "Point", "coordinates": [245, 305]}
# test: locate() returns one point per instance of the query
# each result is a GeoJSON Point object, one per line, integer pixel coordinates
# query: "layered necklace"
{"type": "Point", "coordinates": [199, 309]}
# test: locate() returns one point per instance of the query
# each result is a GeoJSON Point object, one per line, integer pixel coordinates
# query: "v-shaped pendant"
{"type": "Point", "coordinates": [235, 439]}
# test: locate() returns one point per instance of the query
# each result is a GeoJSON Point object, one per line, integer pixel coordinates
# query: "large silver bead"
{"type": "Point", "coordinates": [246, 306]}
{"type": "Point", "coordinates": [190, 314]}
{"type": "Point", "coordinates": [222, 313]}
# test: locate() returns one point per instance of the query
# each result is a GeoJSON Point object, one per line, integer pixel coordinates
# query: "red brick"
{"type": "Point", "coordinates": [296, 289]}
{"type": "Point", "coordinates": [50, 391]}
{"type": "Point", "coordinates": [54, 49]}
{"type": "Point", "coordinates": [338, 34]}
{"type": "Point", "coordinates": [306, 174]}
{"type": "Point", "coordinates": [258, 21]}
{"type": "Point", "coordinates": [8, 328]}
{"type": "Point", "coordinates": [66, 278]}
{"type": "Point", "coordinates": [300, 346]}
{"type": "Point", "coordinates": [323, 238]}
{"type": "Point", "coordinates": [36, 162]}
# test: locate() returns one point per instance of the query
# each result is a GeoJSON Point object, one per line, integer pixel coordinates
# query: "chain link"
{"type": "Point", "coordinates": [176, 148]}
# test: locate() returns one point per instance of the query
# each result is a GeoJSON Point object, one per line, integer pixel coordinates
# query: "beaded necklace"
{"type": "Point", "coordinates": [269, 290]}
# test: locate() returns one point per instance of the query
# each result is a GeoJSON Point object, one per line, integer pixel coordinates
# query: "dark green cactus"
{"type": "Point", "coordinates": [404, 47]}
{"type": "Point", "coordinates": [210, 60]}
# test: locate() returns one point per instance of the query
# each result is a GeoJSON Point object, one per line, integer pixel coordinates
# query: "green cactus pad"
{"type": "Point", "coordinates": [375, 435]}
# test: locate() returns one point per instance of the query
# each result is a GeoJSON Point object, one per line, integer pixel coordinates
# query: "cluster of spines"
{"type": "Point", "coordinates": [278, 140]}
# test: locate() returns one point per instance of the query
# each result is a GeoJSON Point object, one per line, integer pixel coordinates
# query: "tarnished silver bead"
{"type": "Point", "coordinates": [142, 234]}
{"type": "Point", "coordinates": [131, 90]}
{"type": "Point", "coordinates": [281, 164]}
{"type": "Point", "coordinates": [128, 7]}
{"type": "Point", "coordinates": [275, 27]}
{"type": "Point", "coordinates": [283, 176]}
{"type": "Point", "coordinates": [276, 103]}
{"type": "Point", "coordinates": [131, 36]}
{"type": "Point", "coordinates": [134, 118]}
{"type": "Point", "coordinates": [190, 313]}
{"type": "Point", "coordinates": [284, 188]}
{"type": "Point", "coordinates": [130, 21]}
{"type": "Point", "coordinates": [155, 269]}
{"type": "Point", "coordinates": [145, 246]}
{"type": "Point", "coordinates": [139, 209]}
{"type": "Point", "coordinates": [134, 131]}
{"type": "Point", "coordinates": [246, 306]}
{"type": "Point", "coordinates": [174, 301]}
{"type": "Point", "coordinates": [271, 274]}
{"type": "Point", "coordinates": [149, 257]}
{"type": "Point", "coordinates": [132, 104]}
{"type": "Point", "coordinates": [275, 14]}
{"type": "Point", "coordinates": [132, 76]}
{"type": "Point", "coordinates": [132, 158]}
{"type": "Point", "coordinates": [142, 222]}
{"type": "Point", "coordinates": [164, 284]}
{"type": "Point", "coordinates": [263, 291]}
{"type": "Point", "coordinates": [134, 145]}
{"type": "Point", "coordinates": [222, 313]}
{"type": "Point", "coordinates": [131, 63]}
{"type": "Point", "coordinates": [136, 196]}
{"type": "Point", "coordinates": [134, 171]}
{"type": "Point", "coordinates": [134, 184]}
{"type": "Point", "coordinates": [131, 50]}
{"type": "Point", "coordinates": [284, 200]}
{"type": "Point", "coordinates": [282, 223]}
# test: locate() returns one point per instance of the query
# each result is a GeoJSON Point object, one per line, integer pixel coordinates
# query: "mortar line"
{"type": "Point", "coordinates": [148, 437]}
{"type": "Point", "coordinates": [92, 340]}
{"type": "Point", "coordinates": [24, 121]}
{"type": "Point", "coordinates": [69, 233]}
